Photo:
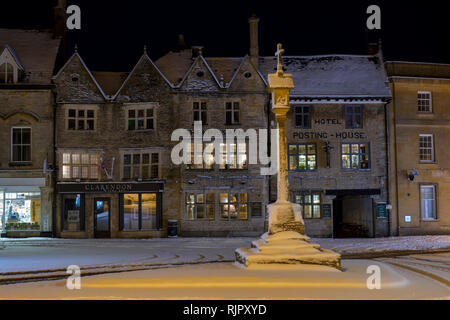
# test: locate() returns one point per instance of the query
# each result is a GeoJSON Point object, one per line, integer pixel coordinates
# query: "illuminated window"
{"type": "Point", "coordinates": [200, 206]}
{"type": "Point", "coordinates": [80, 165]}
{"type": "Point", "coordinates": [73, 212]}
{"type": "Point", "coordinates": [302, 156]}
{"type": "Point", "coordinates": [197, 156]}
{"type": "Point", "coordinates": [232, 157]}
{"type": "Point", "coordinates": [424, 102]}
{"type": "Point", "coordinates": [310, 202]}
{"type": "Point", "coordinates": [139, 211]}
{"type": "Point", "coordinates": [355, 156]}
{"type": "Point", "coordinates": [233, 206]}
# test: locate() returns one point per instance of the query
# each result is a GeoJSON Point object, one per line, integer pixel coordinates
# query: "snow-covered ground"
{"type": "Point", "coordinates": [51, 253]}
{"type": "Point", "coordinates": [229, 281]}
{"type": "Point", "coordinates": [391, 244]}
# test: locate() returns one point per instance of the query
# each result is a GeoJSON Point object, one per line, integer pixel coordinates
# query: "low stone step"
{"type": "Point", "coordinates": [250, 256]}
{"type": "Point", "coordinates": [294, 245]}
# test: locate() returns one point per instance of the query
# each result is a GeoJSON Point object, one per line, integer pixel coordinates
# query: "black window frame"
{"type": "Point", "coordinates": [158, 221]}
{"type": "Point", "coordinates": [301, 112]}
{"type": "Point", "coordinates": [352, 114]}
{"type": "Point", "coordinates": [82, 212]}
{"type": "Point", "coordinates": [200, 112]}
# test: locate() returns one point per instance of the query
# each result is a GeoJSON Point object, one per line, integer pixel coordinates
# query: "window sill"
{"type": "Point", "coordinates": [430, 220]}
{"type": "Point", "coordinates": [141, 130]}
{"type": "Point", "coordinates": [427, 162]}
{"type": "Point", "coordinates": [20, 164]}
{"type": "Point", "coordinates": [356, 170]}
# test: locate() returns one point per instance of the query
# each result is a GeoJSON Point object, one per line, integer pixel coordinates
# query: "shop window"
{"type": "Point", "coordinates": [310, 202]}
{"type": "Point", "coordinates": [302, 156]}
{"type": "Point", "coordinates": [424, 102]}
{"type": "Point", "coordinates": [426, 148]}
{"type": "Point", "coordinates": [22, 210]}
{"type": "Point", "coordinates": [73, 212]}
{"type": "Point", "coordinates": [81, 119]}
{"type": "Point", "coordinates": [80, 165]}
{"type": "Point", "coordinates": [233, 156]}
{"type": "Point", "coordinates": [355, 156]}
{"type": "Point", "coordinates": [428, 202]}
{"type": "Point", "coordinates": [233, 206]}
{"type": "Point", "coordinates": [232, 113]}
{"type": "Point", "coordinates": [200, 112]}
{"type": "Point", "coordinates": [302, 117]}
{"type": "Point", "coordinates": [1, 210]}
{"type": "Point", "coordinates": [21, 145]}
{"type": "Point", "coordinates": [139, 211]}
{"type": "Point", "coordinates": [203, 163]}
{"type": "Point", "coordinates": [200, 206]}
{"type": "Point", "coordinates": [353, 117]}
{"type": "Point", "coordinates": [140, 118]}
{"type": "Point", "coordinates": [140, 164]}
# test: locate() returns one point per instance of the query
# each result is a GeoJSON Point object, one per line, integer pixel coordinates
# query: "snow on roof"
{"type": "Point", "coordinates": [36, 51]}
{"type": "Point", "coordinates": [332, 75]}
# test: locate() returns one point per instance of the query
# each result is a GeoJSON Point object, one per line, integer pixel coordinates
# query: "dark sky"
{"type": "Point", "coordinates": [113, 33]}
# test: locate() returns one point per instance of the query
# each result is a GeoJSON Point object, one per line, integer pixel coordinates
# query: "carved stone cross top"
{"type": "Point", "coordinates": [278, 54]}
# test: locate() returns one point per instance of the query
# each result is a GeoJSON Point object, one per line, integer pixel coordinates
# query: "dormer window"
{"type": "Point", "coordinates": [9, 66]}
{"type": "Point", "coordinates": [7, 73]}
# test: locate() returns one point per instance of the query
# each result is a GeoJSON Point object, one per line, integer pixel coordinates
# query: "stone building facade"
{"type": "Point", "coordinates": [115, 174]}
{"type": "Point", "coordinates": [337, 147]}
{"type": "Point", "coordinates": [420, 158]}
{"type": "Point", "coordinates": [27, 61]}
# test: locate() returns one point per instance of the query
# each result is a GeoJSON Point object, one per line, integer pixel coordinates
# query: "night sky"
{"type": "Point", "coordinates": [113, 34]}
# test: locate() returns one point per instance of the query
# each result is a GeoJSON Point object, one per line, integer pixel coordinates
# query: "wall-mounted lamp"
{"type": "Point", "coordinates": [412, 173]}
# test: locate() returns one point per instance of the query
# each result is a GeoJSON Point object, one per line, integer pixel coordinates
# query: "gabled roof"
{"type": "Point", "coordinates": [75, 54]}
{"type": "Point", "coordinates": [198, 60]}
{"type": "Point", "coordinates": [333, 75]}
{"type": "Point", "coordinates": [36, 52]}
{"type": "Point", "coordinates": [13, 54]}
{"type": "Point", "coordinates": [246, 58]}
{"type": "Point", "coordinates": [175, 65]}
{"type": "Point", "coordinates": [224, 68]}
{"type": "Point", "coordinates": [144, 56]}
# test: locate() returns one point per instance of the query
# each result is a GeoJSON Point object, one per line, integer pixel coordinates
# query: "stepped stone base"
{"type": "Point", "coordinates": [287, 247]}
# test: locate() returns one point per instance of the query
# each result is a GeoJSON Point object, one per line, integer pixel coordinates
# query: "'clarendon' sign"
{"type": "Point", "coordinates": [111, 187]}
{"type": "Point", "coordinates": [107, 187]}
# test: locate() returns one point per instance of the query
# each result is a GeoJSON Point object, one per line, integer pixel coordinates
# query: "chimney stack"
{"type": "Point", "coordinates": [59, 13]}
{"type": "Point", "coordinates": [197, 51]}
{"type": "Point", "coordinates": [181, 44]}
{"type": "Point", "coordinates": [254, 49]}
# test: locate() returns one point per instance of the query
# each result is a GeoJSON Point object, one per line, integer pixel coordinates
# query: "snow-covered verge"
{"type": "Point", "coordinates": [393, 245]}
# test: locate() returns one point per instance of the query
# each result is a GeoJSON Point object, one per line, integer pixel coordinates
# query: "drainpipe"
{"type": "Point", "coordinates": [388, 161]}
{"type": "Point", "coordinates": [55, 167]}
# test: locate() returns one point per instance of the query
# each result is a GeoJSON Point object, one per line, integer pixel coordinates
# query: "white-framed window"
{"type": "Point", "coordinates": [237, 156]}
{"type": "Point", "coordinates": [7, 73]}
{"type": "Point", "coordinates": [80, 165]}
{"type": "Point", "coordinates": [428, 202]}
{"type": "Point", "coordinates": [140, 117]}
{"type": "Point", "coordinates": [426, 148]}
{"type": "Point", "coordinates": [81, 118]}
{"type": "Point", "coordinates": [424, 101]}
{"type": "Point", "coordinates": [232, 113]}
{"type": "Point", "coordinates": [21, 144]}
{"type": "Point", "coordinates": [200, 112]}
{"type": "Point", "coordinates": [140, 164]}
